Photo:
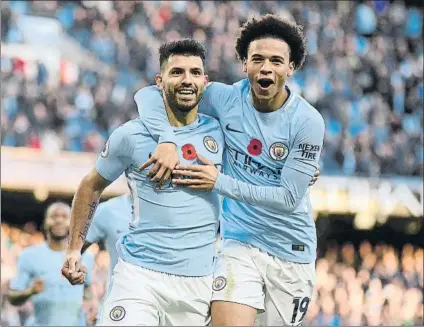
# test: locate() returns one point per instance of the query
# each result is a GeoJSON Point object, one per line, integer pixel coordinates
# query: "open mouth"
{"type": "Point", "coordinates": [265, 83]}
{"type": "Point", "coordinates": [186, 91]}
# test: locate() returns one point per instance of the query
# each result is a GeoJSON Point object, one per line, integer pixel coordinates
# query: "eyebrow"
{"type": "Point", "coordinates": [180, 68]}
{"type": "Point", "coordinates": [273, 57]}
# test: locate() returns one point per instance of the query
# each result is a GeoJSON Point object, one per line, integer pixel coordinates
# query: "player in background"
{"type": "Point", "coordinates": [56, 302]}
{"type": "Point", "coordinates": [274, 139]}
{"type": "Point", "coordinates": [164, 272]}
{"type": "Point", "coordinates": [110, 222]}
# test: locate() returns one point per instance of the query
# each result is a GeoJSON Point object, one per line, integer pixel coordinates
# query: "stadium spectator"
{"type": "Point", "coordinates": [373, 293]}
{"type": "Point", "coordinates": [364, 73]}
{"type": "Point", "coordinates": [368, 285]}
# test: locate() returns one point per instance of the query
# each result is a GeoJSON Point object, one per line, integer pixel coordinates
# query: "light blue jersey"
{"type": "Point", "coordinates": [110, 222]}
{"type": "Point", "coordinates": [60, 304]}
{"type": "Point", "coordinates": [173, 230]}
{"type": "Point", "coordinates": [269, 161]}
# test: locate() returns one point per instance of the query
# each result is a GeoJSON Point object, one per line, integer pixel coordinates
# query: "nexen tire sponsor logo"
{"type": "Point", "coordinates": [309, 151]}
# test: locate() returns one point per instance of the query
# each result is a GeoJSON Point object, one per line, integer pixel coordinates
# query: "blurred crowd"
{"type": "Point", "coordinates": [363, 73]}
{"type": "Point", "coordinates": [366, 286]}
{"type": "Point", "coordinates": [369, 286]}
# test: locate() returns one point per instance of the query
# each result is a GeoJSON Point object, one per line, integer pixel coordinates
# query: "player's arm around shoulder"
{"type": "Point", "coordinates": [202, 176]}
{"type": "Point", "coordinates": [152, 112]}
{"type": "Point", "coordinates": [299, 168]}
{"type": "Point", "coordinates": [217, 99]}
{"type": "Point", "coordinates": [216, 102]}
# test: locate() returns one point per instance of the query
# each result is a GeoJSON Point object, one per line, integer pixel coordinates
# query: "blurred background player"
{"type": "Point", "coordinates": [274, 140]}
{"type": "Point", "coordinates": [56, 302]}
{"type": "Point", "coordinates": [110, 222]}
{"type": "Point", "coordinates": [165, 266]}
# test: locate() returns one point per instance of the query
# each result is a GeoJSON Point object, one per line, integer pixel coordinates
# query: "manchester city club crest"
{"type": "Point", "coordinates": [278, 151]}
{"type": "Point", "coordinates": [219, 283]}
{"type": "Point", "coordinates": [117, 313]}
{"type": "Point", "coordinates": [210, 144]}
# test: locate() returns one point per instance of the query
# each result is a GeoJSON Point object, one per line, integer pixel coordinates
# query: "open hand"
{"type": "Point", "coordinates": [200, 177]}
{"type": "Point", "coordinates": [165, 158]}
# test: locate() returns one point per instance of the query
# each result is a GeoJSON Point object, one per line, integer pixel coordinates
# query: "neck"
{"type": "Point", "coordinates": [180, 118]}
{"type": "Point", "coordinates": [57, 245]}
{"type": "Point", "coordinates": [270, 105]}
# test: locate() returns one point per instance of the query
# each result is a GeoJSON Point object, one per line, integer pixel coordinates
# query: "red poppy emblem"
{"type": "Point", "coordinates": [255, 147]}
{"type": "Point", "coordinates": [189, 152]}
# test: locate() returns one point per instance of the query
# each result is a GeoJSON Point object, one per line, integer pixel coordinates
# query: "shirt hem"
{"type": "Point", "coordinates": [260, 246]}
{"type": "Point", "coordinates": [164, 271]}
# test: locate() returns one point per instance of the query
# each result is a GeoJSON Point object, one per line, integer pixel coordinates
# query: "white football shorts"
{"type": "Point", "coordinates": [280, 290]}
{"type": "Point", "coordinates": [142, 297]}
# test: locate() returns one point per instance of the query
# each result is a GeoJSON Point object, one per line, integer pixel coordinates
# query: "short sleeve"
{"type": "Point", "coordinates": [115, 157]}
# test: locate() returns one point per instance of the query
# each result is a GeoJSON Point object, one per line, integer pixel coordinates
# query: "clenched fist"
{"type": "Point", "coordinates": [72, 268]}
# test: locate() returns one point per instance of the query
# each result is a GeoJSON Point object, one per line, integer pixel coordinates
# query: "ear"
{"type": "Point", "coordinates": [291, 69]}
{"type": "Point", "coordinates": [158, 80]}
{"type": "Point", "coordinates": [244, 66]}
{"type": "Point", "coordinates": [206, 80]}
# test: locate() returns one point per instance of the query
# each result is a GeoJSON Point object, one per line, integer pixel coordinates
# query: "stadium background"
{"type": "Point", "coordinates": [69, 72]}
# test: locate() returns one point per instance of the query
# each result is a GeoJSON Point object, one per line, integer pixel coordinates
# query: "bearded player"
{"type": "Point", "coordinates": [164, 272]}
{"type": "Point", "coordinates": [274, 139]}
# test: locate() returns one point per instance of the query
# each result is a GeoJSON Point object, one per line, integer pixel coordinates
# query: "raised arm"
{"type": "Point", "coordinates": [299, 169]}
{"type": "Point", "coordinates": [151, 109]}
{"type": "Point", "coordinates": [215, 102]}
{"type": "Point", "coordinates": [111, 163]}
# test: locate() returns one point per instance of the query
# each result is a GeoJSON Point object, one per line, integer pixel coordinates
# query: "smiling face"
{"type": "Point", "coordinates": [183, 79]}
{"type": "Point", "coordinates": [268, 66]}
{"type": "Point", "coordinates": [58, 220]}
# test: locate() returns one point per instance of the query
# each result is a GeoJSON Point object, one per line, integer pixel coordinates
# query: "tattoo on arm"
{"type": "Point", "coordinates": [92, 207]}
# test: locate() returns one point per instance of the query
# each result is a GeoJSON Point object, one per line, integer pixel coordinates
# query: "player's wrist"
{"type": "Point", "coordinates": [218, 182]}
{"type": "Point", "coordinates": [74, 251]}
{"type": "Point", "coordinates": [32, 291]}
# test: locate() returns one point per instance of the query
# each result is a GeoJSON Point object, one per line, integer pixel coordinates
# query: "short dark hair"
{"type": "Point", "coordinates": [187, 47]}
{"type": "Point", "coordinates": [274, 27]}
